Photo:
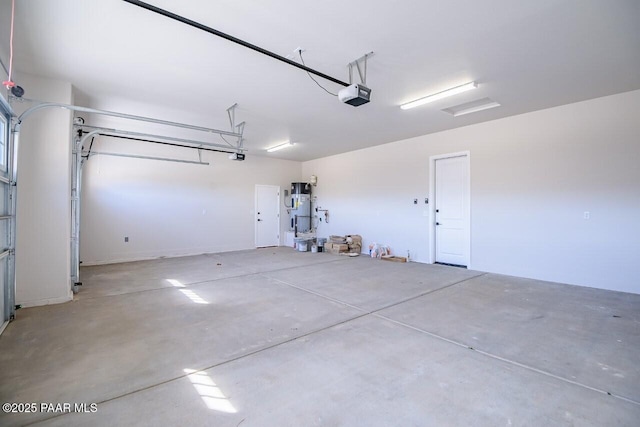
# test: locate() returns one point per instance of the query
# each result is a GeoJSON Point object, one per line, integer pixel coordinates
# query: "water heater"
{"type": "Point", "coordinates": [300, 212]}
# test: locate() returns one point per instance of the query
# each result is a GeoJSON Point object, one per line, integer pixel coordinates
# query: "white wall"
{"type": "Point", "coordinates": [43, 209]}
{"type": "Point", "coordinates": [170, 209]}
{"type": "Point", "coordinates": [532, 178]}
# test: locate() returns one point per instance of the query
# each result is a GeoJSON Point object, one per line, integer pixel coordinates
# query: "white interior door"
{"type": "Point", "coordinates": [267, 215]}
{"type": "Point", "coordinates": [452, 210]}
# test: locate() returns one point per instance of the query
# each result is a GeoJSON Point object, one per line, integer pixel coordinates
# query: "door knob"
{"type": "Point", "coordinates": [437, 223]}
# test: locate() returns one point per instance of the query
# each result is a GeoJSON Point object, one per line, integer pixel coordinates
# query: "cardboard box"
{"type": "Point", "coordinates": [336, 248]}
{"type": "Point", "coordinates": [393, 258]}
{"type": "Point", "coordinates": [356, 238]}
{"type": "Point", "coordinates": [355, 248]}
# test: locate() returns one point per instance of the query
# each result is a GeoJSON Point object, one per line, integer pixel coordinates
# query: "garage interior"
{"type": "Point", "coordinates": [197, 201]}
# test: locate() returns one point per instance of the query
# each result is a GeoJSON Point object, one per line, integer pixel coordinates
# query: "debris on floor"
{"type": "Point", "coordinates": [350, 254]}
{"type": "Point", "coordinates": [378, 251]}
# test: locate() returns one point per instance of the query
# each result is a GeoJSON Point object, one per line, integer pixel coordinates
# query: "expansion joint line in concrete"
{"type": "Point", "coordinates": [377, 309]}
{"type": "Point", "coordinates": [428, 293]}
{"type": "Point", "coordinates": [242, 356]}
{"type": "Point", "coordinates": [350, 319]}
{"type": "Point", "coordinates": [509, 361]}
{"type": "Point", "coordinates": [457, 343]}
{"type": "Point", "coordinates": [206, 281]}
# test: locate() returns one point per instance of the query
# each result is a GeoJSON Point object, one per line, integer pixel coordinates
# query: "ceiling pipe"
{"type": "Point", "coordinates": [233, 39]}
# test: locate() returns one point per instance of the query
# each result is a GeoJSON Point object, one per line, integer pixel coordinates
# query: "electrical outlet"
{"type": "Point", "coordinates": [126, 239]}
{"type": "Point", "coordinates": [586, 215]}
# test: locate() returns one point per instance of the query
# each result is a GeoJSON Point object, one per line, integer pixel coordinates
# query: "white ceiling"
{"type": "Point", "coordinates": [527, 55]}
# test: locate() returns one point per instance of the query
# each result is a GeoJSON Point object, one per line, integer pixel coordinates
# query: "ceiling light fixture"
{"type": "Point", "coordinates": [280, 146]}
{"type": "Point", "coordinates": [471, 107]}
{"type": "Point", "coordinates": [439, 95]}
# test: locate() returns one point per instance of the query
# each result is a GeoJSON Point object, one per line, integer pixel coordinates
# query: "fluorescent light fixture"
{"type": "Point", "coordinates": [439, 95]}
{"type": "Point", "coordinates": [281, 146]}
{"type": "Point", "coordinates": [471, 107]}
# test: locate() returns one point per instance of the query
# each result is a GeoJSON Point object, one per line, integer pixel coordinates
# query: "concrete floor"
{"type": "Point", "coordinates": [274, 337]}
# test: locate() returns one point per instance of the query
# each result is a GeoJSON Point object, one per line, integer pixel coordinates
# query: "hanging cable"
{"type": "Point", "coordinates": [311, 77]}
{"type": "Point", "coordinates": [9, 83]}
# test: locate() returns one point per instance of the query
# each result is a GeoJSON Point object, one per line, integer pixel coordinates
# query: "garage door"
{"type": "Point", "coordinates": [7, 297]}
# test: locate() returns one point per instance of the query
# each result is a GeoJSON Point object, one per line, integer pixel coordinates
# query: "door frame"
{"type": "Point", "coordinates": [255, 215]}
{"type": "Point", "coordinates": [432, 204]}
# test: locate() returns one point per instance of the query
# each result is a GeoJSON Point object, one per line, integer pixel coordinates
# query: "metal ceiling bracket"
{"type": "Point", "coordinates": [361, 66]}
{"type": "Point", "coordinates": [240, 131]}
{"type": "Point", "coordinates": [231, 112]}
